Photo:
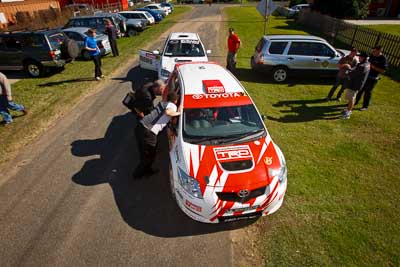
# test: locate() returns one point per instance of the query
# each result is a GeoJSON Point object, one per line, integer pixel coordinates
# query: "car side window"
{"type": "Point", "coordinates": [2, 44]}
{"type": "Point", "coordinates": [321, 50]}
{"type": "Point", "coordinates": [34, 41]}
{"type": "Point", "coordinates": [13, 43]}
{"type": "Point", "coordinates": [277, 48]}
{"type": "Point", "coordinates": [300, 49]}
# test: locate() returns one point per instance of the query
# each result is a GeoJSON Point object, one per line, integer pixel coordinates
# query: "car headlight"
{"type": "Point", "coordinates": [165, 73]}
{"type": "Point", "coordinates": [190, 184]}
{"type": "Point", "coordinates": [281, 172]}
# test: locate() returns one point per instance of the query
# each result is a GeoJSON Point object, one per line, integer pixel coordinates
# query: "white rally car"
{"type": "Point", "coordinates": [223, 164]}
{"type": "Point", "coordinates": [179, 47]}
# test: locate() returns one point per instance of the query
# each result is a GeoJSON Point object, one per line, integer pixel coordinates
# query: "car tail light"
{"type": "Point", "coordinates": [260, 58]}
{"type": "Point", "coordinates": [52, 54]}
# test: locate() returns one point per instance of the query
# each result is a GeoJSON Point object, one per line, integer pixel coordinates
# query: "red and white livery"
{"type": "Point", "coordinates": [223, 164]}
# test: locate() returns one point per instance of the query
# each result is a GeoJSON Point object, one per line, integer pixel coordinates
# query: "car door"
{"type": "Point", "coordinates": [13, 52]}
{"type": "Point", "coordinates": [300, 56]}
{"type": "Point", "coordinates": [324, 57]}
{"type": "Point", "coordinates": [149, 60]}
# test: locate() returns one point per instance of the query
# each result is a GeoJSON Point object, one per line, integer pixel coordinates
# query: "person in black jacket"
{"type": "Point", "coordinates": [145, 96]}
{"type": "Point", "coordinates": [378, 65]}
{"type": "Point", "coordinates": [357, 78]}
{"type": "Point", "coordinates": [112, 37]}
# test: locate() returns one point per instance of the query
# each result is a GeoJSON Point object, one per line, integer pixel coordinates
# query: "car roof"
{"type": "Point", "coordinates": [95, 16]}
{"type": "Point", "coordinates": [292, 37]}
{"type": "Point", "coordinates": [183, 36]}
{"type": "Point", "coordinates": [194, 73]}
{"type": "Point", "coordinates": [42, 31]}
{"type": "Point", "coordinates": [81, 30]}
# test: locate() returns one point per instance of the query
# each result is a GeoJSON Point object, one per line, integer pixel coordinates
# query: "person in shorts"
{"type": "Point", "coordinates": [357, 78]}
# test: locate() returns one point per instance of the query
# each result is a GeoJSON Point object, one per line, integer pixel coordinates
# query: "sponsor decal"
{"type": "Point", "coordinates": [268, 160]}
{"type": "Point", "coordinates": [243, 209]}
{"type": "Point", "coordinates": [192, 206]}
{"type": "Point", "coordinates": [217, 96]}
{"type": "Point", "coordinates": [151, 56]}
{"type": "Point", "coordinates": [233, 153]}
{"type": "Point", "coordinates": [185, 41]}
{"type": "Point", "coordinates": [213, 86]}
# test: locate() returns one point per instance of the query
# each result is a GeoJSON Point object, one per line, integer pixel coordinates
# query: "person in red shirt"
{"type": "Point", "coordinates": [233, 47]}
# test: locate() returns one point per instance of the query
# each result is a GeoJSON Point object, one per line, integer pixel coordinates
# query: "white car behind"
{"type": "Point", "coordinates": [179, 47]}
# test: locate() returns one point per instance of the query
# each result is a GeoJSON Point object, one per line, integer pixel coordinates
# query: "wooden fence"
{"type": "Point", "coordinates": [354, 35]}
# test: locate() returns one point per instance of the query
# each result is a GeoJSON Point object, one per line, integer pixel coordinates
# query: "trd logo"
{"type": "Point", "coordinates": [232, 153]}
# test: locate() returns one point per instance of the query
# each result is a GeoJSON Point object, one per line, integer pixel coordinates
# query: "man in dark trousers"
{"type": "Point", "coordinates": [6, 101]}
{"type": "Point", "coordinates": [233, 47]}
{"type": "Point", "coordinates": [378, 65]}
{"type": "Point", "coordinates": [147, 130]}
{"type": "Point", "coordinates": [357, 78]}
{"type": "Point", "coordinates": [94, 52]}
{"type": "Point", "coordinates": [345, 63]}
{"type": "Point", "coordinates": [112, 37]}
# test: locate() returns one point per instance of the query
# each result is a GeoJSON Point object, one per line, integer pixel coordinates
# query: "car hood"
{"type": "Point", "coordinates": [232, 167]}
{"type": "Point", "coordinates": [168, 63]}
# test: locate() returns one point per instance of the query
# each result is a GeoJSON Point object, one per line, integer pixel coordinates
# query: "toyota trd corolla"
{"type": "Point", "coordinates": [223, 164]}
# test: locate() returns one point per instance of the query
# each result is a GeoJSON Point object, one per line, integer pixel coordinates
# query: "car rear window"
{"type": "Point", "coordinates": [277, 48]}
{"type": "Point", "coordinates": [56, 39]}
{"type": "Point", "coordinates": [260, 45]}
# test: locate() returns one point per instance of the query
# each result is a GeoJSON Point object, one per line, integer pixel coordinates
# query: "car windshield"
{"type": "Point", "coordinates": [56, 39]}
{"type": "Point", "coordinates": [184, 48]}
{"type": "Point", "coordinates": [222, 125]}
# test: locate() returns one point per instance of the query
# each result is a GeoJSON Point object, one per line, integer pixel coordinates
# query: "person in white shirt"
{"type": "Point", "coordinates": [147, 130]}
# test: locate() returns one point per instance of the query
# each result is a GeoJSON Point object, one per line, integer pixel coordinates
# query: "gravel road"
{"type": "Point", "coordinates": [69, 200]}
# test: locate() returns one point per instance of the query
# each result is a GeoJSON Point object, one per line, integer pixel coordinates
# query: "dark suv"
{"type": "Point", "coordinates": [34, 52]}
{"type": "Point", "coordinates": [98, 22]}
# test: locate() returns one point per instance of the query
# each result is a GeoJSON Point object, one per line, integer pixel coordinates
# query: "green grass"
{"type": "Point", "coordinates": [392, 29]}
{"type": "Point", "coordinates": [49, 97]}
{"type": "Point", "coordinates": [342, 201]}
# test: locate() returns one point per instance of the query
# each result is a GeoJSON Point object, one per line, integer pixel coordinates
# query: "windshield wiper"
{"type": "Point", "coordinates": [237, 137]}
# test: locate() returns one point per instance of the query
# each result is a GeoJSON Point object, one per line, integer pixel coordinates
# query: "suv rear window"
{"type": "Point", "coordinates": [56, 39]}
{"type": "Point", "coordinates": [277, 48]}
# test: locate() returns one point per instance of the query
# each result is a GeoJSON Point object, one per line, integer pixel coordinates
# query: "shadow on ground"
{"type": "Point", "coordinates": [249, 75]}
{"type": "Point", "coordinates": [87, 79]}
{"type": "Point", "coordinates": [138, 76]}
{"type": "Point", "coordinates": [308, 110]}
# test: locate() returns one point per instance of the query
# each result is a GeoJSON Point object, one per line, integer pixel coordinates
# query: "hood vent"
{"type": "Point", "coordinates": [237, 165]}
{"type": "Point", "coordinates": [183, 60]}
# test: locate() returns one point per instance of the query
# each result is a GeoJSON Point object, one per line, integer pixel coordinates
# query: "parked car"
{"type": "Point", "coordinates": [79, 34]}
{"type": "Point", "coordinates": [156, 15]}
{"type": "Point", "coordinates": [295, 10]}
{"type": "Point", "coordinates": [142, 15]}
{"type": "Point", "coordinates": [98, 22]}
{"type": "Point", "coordinates": [179, 47]}
{"type": "Point", "coordinates": [157, 7]}
{"type": "Point", "coordinates": [170, 5]}
{"type": "Point", "coordinates": [283, 55]}
{"type": "Point", "coordinates": [224, 165]}
{"type": "Point", "coordinates": [36, 52]}
{"type": "Point", "coordinates": [132, 26]}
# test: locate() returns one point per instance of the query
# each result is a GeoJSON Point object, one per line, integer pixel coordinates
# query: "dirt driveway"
{"type": "Point", "coordinates": [69, 199]}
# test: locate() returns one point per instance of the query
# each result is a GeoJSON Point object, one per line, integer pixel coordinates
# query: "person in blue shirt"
{"type": "Point", "coordinates": [94, 52]}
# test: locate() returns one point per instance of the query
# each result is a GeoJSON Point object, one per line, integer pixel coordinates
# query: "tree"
{"type": "Point", "coordinates": [343, 8]}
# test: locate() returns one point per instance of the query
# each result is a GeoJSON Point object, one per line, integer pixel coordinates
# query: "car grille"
{"type": "Point", "coordinates": [233, 196]}
{"type": "Point", "coordinates": [237, 165]}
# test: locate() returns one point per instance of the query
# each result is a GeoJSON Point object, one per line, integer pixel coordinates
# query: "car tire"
{"type": "Point", "coordinates": [131, 32]}
{"type": "Point", "coordinates": [85, 55]}
{"type": "Point", "coordinates": [280, 74]}
{"type": "Point", "coordinates": [34, 68]}
{"type": "Point", "coordinates": [171, 182]}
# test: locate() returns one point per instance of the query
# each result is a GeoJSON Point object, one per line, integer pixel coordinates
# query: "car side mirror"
{"type": "Point", "coordinates": [156, 52]}
{"type": "Point", "coordinates": [208, 51]}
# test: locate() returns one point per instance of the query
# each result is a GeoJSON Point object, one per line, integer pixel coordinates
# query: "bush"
{"type": "Point", "coordinates": [343, 8]}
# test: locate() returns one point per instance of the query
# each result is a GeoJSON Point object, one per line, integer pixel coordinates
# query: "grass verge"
{"type": "Point", "coordinates": [387, 28]}
{"type": "Point", "coordinates": [49, 97]}
{"type": "Point", "coordinates": [341, 206]}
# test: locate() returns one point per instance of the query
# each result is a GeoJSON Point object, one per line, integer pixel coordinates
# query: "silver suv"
{"type": "Point", "coordinates": [282, 55]}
